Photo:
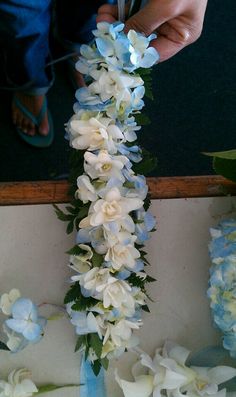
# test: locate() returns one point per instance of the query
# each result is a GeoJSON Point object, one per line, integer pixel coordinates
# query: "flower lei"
{"type": "Point", "coordinates": [222, 283]}
{"type": "Point", "coordinates": [110, 205]}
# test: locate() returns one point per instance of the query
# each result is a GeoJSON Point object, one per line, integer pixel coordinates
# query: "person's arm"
{"type": "Point", "coordinates": [177, 23]}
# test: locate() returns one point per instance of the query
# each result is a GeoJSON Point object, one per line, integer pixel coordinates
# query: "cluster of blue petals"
{"type": "Point", "coordinates": [222, 283]}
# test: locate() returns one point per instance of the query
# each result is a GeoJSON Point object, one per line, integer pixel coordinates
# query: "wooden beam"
{"type": "Point", "coordinates": [42, 192]}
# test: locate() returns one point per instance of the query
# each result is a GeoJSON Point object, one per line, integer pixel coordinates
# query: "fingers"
{"type": "Point", "coordinates": [107, 13]}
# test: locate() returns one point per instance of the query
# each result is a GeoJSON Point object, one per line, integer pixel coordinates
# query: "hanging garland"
{"type": "Point", "coordinates": [110, 206]}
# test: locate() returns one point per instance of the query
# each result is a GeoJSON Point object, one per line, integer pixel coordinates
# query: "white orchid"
{"type": "Point", "coordinates": [7, 301]}
{"type": "Point", "coordinates": [95, 133]}
{"type": "Point", "coordinates": [81, 263]}
{"type": "Point", "coordinates": [86, 191]}
{"type": "Point", "coordinates": [117, 293]}
{"type": "Point", "coordinates": [19, 384]}
{"type": "Point", "coordinates": [114, 207]}
{"type": "Point", "coordinates": [104, 166]}
{"type": "Point", "coordinates": [168, 374]}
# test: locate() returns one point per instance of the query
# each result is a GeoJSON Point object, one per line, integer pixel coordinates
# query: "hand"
{"type": "Point", "coordinates": [177, 23]}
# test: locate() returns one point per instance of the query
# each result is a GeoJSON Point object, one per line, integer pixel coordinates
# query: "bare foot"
{"type": "Point", "coordinates": [34, 105]}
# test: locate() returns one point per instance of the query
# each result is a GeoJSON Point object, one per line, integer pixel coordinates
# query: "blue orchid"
{"type": "Point", "coordinates": [25, 320]}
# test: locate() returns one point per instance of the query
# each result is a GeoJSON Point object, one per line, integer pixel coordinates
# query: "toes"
{"type": "Point", "coordinates": [44, 127]}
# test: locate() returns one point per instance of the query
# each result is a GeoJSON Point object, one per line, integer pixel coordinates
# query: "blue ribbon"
{"type": "Point", "coordinates": [91, 385]}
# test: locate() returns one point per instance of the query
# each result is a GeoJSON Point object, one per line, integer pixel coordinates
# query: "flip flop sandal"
{"type": "Point", "coordinates": [36, 140]}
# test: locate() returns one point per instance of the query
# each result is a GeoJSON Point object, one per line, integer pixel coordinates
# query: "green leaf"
{"type": "Point", "coordinates": [81, 303]}
{"type": "Point", "coordinates": [147, 165]}
{"type": "Point", "coordinates": [150, 279]}
{"type": "Point", "coordinates": [142, 119]}
{"type": "Point", "coordinates": [83, 212]}
{"type": "Point", "coordinates": [226, 168]}
{"type": "Point", "coordinates": [96, 344]}
{"type": "Point", "coordinates": [50, 387]}
{"type": "Point", "coordinates": [81, 341]}
{"type": "Point", "coordinates": [3, 346]}
{"type": "Point", "coordinates": [228, 154]}
{"type": "Point", "coordinates": [61, 215]}
{"type": "Point", "coordinates": [70, 227]}
{"type": "Point", "coordinates": [97, 259]}
{"type": "Point", "coordinates": [76, 250]}
{"type": "Point", "coordinates": [96, 366]}
{"type": "Point", "coordinates": [73, 293]}
{"type": "Point", "coordinates": [105, 363]}
{"type": "Point", "coordinates": [146, 308]}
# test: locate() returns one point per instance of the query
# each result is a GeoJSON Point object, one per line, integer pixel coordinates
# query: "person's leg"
{"type": "Point", "coordinates": [24, 31]}
{"type": "Point", "coordinates": [75, 20]}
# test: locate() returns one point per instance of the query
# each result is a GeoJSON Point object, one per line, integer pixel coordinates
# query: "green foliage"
{"type": "Point", "coordinates": [105, 363]}
{"type": "Point", "coordinates": [97, 259]}
{"type": "Point", "coordinates": [76, 250]}
{"type": "Point", "coordinates": [3, 346]}
{"type": "Point", "coordinates": [224, 163]}
{"type": "Point", "coordinates": [50, 387]}
{"type": "Point", "coordinates": [96, 366]}
{"type": "Point", "coordinates": [81, 341]}
{"type": "Point", "coordinates": [147, 165]}
{"type": "Point", "coordinates": [81, 303]}
{"type": "Point", "coordinates": [96, 344]}
{"type": "Point", "coordinates": [76, 212]}
{"type": "Point", "coordinates": [73, 293]}
{"type": "Point", "coordinates": [142, 119]}
{"type": "Point", "coordinates": [146, 75]}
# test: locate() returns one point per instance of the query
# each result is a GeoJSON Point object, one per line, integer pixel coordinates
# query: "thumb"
{"type": "Point", "coordinates": [146, 20]}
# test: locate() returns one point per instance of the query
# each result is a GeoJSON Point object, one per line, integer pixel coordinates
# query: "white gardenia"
{"type": "Point", "coordinates": [86, 191]}
{"type": "Point", "coordinates": [95, 280]}
{"type": "Point", "coordinates": [117, 293]}
{"type": "Point", "coordinates": [94, 134]}
{"type": "Point", "coordinates": [169, 375]}
{"type": "Point", "coordinates": [122, 255]}
{"type": "Point", "coordinates": [81, 263]}
{"type": "Point", "coordinates": [18, 384]}
{"type": "Point", "coordinates": [7, 300]}
{"type": "Point", "coordinates": [104, 166]}
{"type": "Point", "coordinates": [112, 208]}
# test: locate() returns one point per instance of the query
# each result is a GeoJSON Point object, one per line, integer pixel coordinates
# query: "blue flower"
{"type": "Point", "coordinates": [25, 320]}
{"type": "Point", "coordinates": [222, 283]}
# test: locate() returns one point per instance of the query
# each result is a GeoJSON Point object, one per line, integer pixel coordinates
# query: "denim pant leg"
{"type": "Point", "coordinates": [75, 21]}
{"type": "Point", "coordinates": [24, 31]}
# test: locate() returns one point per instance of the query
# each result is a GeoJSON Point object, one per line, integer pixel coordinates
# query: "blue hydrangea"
{"type": "Point", "coordinates": [222, 283]}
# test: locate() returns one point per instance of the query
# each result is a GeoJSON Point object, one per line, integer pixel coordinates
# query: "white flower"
{"type": "Point", "coordinates": [14, 343]}
{"type": "Point", "coordinates": [114, 84]}
{"type": "Point", "coordinates": [95, 280]}
{"type": "Point", "coordinates": [120, 332]}
{"type": "Point", "coordinates": [86, 191]}
{"type": "Point", "coordinates": [104, 166]}
{"type": "Point", "coordinates": [114, 207]}
{"type": "Point", "coordinates": [7, 300]}
{"type": "Point", "coordinates": [18, 385]}
{"type": "Point", "coordinates": [168, 373]}
{"type": "Point", "coordinates": [95, 133]}
{"type": "Point", "coordinates": [117, 293]}
{"type": "Point", "coordinates": [81, 263]}
{"type": "Point", "coordinates": [122, 255]}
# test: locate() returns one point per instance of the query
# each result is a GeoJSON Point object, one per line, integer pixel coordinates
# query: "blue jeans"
{"type": "Point", "coordinates": [24, 38]}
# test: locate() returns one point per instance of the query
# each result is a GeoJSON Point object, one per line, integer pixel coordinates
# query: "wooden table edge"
{"type": "Point", "coordinates": [46, 192]}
